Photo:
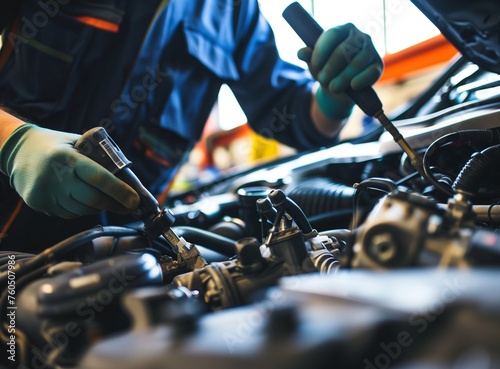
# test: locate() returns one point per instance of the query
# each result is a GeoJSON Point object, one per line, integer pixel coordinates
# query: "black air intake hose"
{"type": "Point", "coordinates": [321, 195]}
{"type": "Point", "coordinates": [477, 169]}
{"type": "Point", "coordinates": [474, 138]}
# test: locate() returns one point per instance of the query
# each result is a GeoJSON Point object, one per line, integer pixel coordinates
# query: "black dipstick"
{"type": "Point", "coordinates": [366, 98]}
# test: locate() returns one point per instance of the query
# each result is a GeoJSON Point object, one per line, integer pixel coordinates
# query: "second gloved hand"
{"type": "Point", "coordinates": [343, 57]}
{"type": "Point", "coordinates": [54, 178]}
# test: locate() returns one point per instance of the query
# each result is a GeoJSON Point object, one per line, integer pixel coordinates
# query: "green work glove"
{"type": "Point", "coordinates": [342, 57]}
{"type": "Point", "coordinates": [54, 178]}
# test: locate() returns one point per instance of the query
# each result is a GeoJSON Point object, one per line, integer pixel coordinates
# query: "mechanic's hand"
{"type": "Point", "coordinates": [342, 57]}
{"type": "Point", "coordinates": [53, 177]}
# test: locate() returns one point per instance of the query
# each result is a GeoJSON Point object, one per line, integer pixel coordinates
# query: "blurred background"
{"type": "Point", "coordinates": [413, 50]}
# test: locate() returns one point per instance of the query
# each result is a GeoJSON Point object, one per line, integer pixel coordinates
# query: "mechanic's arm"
{"type": "Point", "coordinates": [54, 178]}
{"type": "Point", "coordinates": [342, 57]}
{"type": "Point", "coordinates": [329, 126]}
{"type": "Point", "coordinates": [281, 100]}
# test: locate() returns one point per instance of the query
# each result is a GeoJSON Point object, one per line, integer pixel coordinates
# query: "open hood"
{"type": "Point", "coordinates": [473, 27]}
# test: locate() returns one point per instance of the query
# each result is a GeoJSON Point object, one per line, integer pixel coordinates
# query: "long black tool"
{"type": "Point", "coordinates": [367, 100]}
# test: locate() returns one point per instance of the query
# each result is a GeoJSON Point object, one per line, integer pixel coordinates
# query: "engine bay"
{"type": "Point", "coordinates": [345, 256]}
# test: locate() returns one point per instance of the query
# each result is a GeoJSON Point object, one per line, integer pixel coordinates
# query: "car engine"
{"type": "Point", "coordinates": [351, 256]}
{"type": "Point", "coordinates": [343, 256]}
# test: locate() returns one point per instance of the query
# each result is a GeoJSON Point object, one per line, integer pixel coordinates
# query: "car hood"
{"type": "Point", "coordinates": [473, 27]}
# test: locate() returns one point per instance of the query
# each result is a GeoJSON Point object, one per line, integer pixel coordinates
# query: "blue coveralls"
{"type": "Point", "coordinates": [151, 84]}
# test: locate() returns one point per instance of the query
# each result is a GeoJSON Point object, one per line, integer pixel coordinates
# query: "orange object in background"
{"type": "Point", "coordinates": [224, 139]}
{"type": "Point", "coordinates": [426, 54]}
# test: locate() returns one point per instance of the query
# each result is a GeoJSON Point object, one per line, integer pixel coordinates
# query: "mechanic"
{"type": "Point", "coordinates": [149, 72]}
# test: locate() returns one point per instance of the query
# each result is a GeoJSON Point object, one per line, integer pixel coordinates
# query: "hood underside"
{"type": "Point", "coordinates": [473, 27]}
